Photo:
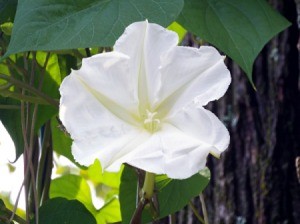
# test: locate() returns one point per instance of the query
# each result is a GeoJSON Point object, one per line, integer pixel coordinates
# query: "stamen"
{"type": "Point", "coordinates": [151, 123]}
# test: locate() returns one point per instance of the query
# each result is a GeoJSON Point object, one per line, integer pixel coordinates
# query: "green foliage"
{"type": "Point", "coordinates": [42, 25]}
{"type": "Point", "coordinates": [72, 187]}
{"type": "Point", "coordinates": [181, 32]}
{"type": "Point", "coordinates": [175, 194]}
{"type": "Point", "coordinates": [64, 211]}
{"type": "Point", "coordinates": [60, 140]}
{"type": "Point", "coordinates": [172, 195]}
{"type": "Point", "coordinates": [76, 187]}
{"type": "Point", "coordinates": [238, 28]}
{"type": "Point", "coordinates": [7, 28]}
{"type": "Point", "coordinates": [7, 10]}
{"type": "Point", "coordinates": [51, 81]}
{"type": "Point", "coordinates": [46, 72]}
{"type": "Point", "coordinates": [110, 212]}
{"type": "Point", "coordinates": [99, 176]}
{"type": "Point", "coordinates": [11, 119]}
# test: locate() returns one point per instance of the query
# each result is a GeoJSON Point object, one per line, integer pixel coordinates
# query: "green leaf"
{"type": "Point", "coordinates": [51, 82]}
{"type": "Point", "coordinates": [6, 28]}
{"type": "Point", "coordinates": [72, 187]}
{"type": "Point", "coordinates": [67, 62]}
{"type": "Point", "coordinates": [172, 194]}
{"type": "Point", "coordinates": [60, 140]}
{"type": "Point", "coordinates": [110, 212]}
{"type": "Point", "coordinates": [42, 25]}
{"type": "Point", "coordinates": [76, 187]}
{"type": "Point", "coordinates": [238, 28]}
{"type": "Point", "coordinates": [7, 10]}
{"type": "Point", "coordinates": [63, 211]}
{"type": "Point", "coordinates": [11, 119]}
{"type": "Point", "coordinates": [181, 32]}
{"type": "Point", "coordinates": [175, 194]}
{"type": "Point", "coordinates": [128, 194]}
{"type": "Point", "coordinates": [98, 176]}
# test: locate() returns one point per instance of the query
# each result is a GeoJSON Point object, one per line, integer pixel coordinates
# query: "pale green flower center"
{"type": "Point", "coordinates": [151, 122]}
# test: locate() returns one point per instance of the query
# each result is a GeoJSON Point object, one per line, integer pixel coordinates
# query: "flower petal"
{"type": "Point", "coordinates": [191, 74]}
{"type": "Point", "coordinates": [202, 125]}
{"type": "Point", "coordinates": [98, 97]}
{"type": "Point", "coordinates": [111, 150]}
{"type": "Point", "coordinates": [171, 152]}
{"type": "Point", "coordinates": [98, 131]}
{"type": "Point", "coordinates": [108, 74]}
{"type": "Point", "coordinates": [144, 43]}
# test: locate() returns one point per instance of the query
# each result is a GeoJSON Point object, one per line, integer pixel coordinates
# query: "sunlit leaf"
{"type": "Point", "coordinates": [76, 187]}
{"type": "Point", "coordinates": [72, 187]}
{"type": "Point", "coordinates": [94, 172]}
{"type": "Point", "coordinates": [178, 29]}
{"type": "Point", "coordinates": [112, 179]}
{"type": "Point", "coordinates": [6, 28]}
{"type": "Point", "coordinates": [51, 80]}
{"type": "Point", "coordinates": [110, 212]}
{"type": "Point", "coordinates": [42, 25]}
{"type": "Point", "coordinates": [238, 28]}
{"type": "Point", "coordinates": [98, 176]}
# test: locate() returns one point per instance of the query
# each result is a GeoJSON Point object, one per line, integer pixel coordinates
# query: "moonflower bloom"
{"type": "Point", "coordinates": [142, 104]}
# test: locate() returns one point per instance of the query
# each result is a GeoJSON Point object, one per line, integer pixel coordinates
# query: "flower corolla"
{"type": "Point", "coordinates": [142, 104]}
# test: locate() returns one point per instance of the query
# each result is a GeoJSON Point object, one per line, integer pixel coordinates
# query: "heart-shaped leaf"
{"type": "Point", "coordinates": [43, 25]}
{"type": "Point", "coordinates": [238, 28]}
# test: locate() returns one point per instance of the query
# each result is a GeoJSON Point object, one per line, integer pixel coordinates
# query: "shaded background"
{"type": "Point", "coordinates": [255, 180]}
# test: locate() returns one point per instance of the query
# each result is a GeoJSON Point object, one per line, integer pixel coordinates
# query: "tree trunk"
{"type": "Point", "coordinates": [255, 180]}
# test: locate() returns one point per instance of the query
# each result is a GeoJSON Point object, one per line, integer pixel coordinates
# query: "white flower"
{"type": "Point", "coordinates": [142, 104]}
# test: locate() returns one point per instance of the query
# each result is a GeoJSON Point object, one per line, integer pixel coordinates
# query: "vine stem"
{"type": "Point", "coordinates": [204, 210]}
{"type": "Point", "coordinates": [44, 171]}
{"type": "Point", "coordinates": [200, 219]}
{"type": "Point", "coordinates": [21, 97]}
{"type": "Point", "coordinates": [9, 107]}
{"type": "Point", "coordinates": [8, 213]}
{"type": "Point", "coordinates": [31, 89]}
{"type": "Point", "coordinates": [172, 219]}
{"type": "Point", "coordinates": [137, 215]}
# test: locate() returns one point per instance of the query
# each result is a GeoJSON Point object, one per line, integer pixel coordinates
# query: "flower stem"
{"type": "Point", "coordinates": [204, 210]}
{"type": "Point", "coordinates": [200, 219]}
{"type": "Point", "coordinates": [148, 187]}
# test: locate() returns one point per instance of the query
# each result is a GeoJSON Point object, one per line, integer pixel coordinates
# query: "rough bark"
{"type": "Point", "coordinates": [255, 181]}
